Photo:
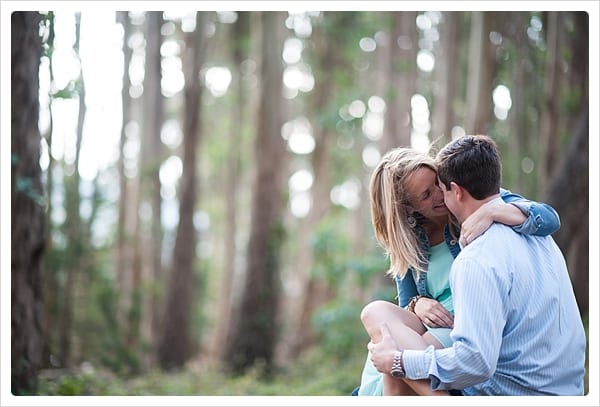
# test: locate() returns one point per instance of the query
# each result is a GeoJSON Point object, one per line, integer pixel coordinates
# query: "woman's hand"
{"type": "Point", "coordinates": [433, 314]}
{"type": "Point", "coordinates": [479, 221]}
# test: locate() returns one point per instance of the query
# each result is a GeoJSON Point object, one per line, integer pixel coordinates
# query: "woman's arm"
{"type": "Point", "coordinates": [542, 219]}
{"type": "Point", "coordinates": [527, 217]}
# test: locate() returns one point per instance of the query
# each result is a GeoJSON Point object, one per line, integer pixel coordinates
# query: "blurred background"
{"type": "Point", "coordinates": [189, 189]}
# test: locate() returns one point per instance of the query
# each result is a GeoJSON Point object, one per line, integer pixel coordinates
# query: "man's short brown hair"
{"type": "Point", "coordinates": [472, 162]}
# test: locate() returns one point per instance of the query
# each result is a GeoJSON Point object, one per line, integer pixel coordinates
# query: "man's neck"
{"type": "Point", "coordinates": [473, 204]}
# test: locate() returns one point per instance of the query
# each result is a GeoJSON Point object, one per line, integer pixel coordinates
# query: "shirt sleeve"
{"type": "Point", "coordinates": [478, 293]}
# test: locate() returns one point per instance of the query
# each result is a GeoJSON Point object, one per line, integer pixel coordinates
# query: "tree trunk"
{"type": "Point", "coordinates": [27, 206]}
{"type": "Point", "coordinates": [482, 58]}
{"type": "Point", "coordinates": [446, 78]}
{"type": "Point", "coordinates": [568, 189]}
{"type": "Point", "coordinates": [568, 193]}
{"type": "Point", "coordinates": [74, 231]}
{"type": "Point", "coordinates": [51, 281]}
{"type": "Point", "coordinates": [549, 122]}
{"type": "Point", "coordinates": [314, 290]}
{"type": "Point", "coordinates": [402, 74]}
{"type": "Point", "coordinates": [177, 343]}
{"type": "Point", "coordinates": [149, 237]}
{"type": "Point", "coordinates": [241, 41]}
{"type": "Point", "coordinates": [125, 229]}
{"type": "Point", "coordinates": [254, 335]}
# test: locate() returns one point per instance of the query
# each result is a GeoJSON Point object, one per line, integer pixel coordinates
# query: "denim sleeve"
{"type": "Point", "coordinates": [406, 289]}
{"type": "Point", "coordinates": [542, 219]}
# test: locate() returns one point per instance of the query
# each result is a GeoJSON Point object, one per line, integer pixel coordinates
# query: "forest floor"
{"type": "Point", "coordinates": [312, 375]}
{"type": "Point", "coordinates": [318, 373]}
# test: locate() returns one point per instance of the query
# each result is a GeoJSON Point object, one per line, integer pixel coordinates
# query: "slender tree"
{"type": "Point", "coordinates": [240, 38]}
{"type": "Point", "coordinates": [568, 190]}
{"type": "Point", "coordinates": [149, 239]}
{"type": "Point", "coordinates": [330, 62]}
{"type": "Point", "coordinates": [27, 205]}
{"type": "Point", "coordinates": [482, 60]}
{"type": "Point", "coordinates": [73, 223]}
{"type": "Point", "coordinates": [550, 117]}
{"type": "Point", "coordinates": [177, 343]}
{"type": "Point", "coordinates": [254, 335]}
{"type": "Point", "coordinates": [446, 77]}
{"type": "Point", "coordinates": [125, 230]}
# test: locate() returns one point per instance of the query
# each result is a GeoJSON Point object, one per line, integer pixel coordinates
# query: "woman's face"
{"type": "Point", "coordinates": [424, 194]}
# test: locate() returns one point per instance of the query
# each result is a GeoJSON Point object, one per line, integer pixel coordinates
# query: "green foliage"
{"type": "Point", "coordinates": [317, 373]}
{"type": "Point", "coordinates": [329, 247]}
{"type": "Point", "coordinates": [339, 326]}
{"type": "Point", "coordinates": [368, 267]}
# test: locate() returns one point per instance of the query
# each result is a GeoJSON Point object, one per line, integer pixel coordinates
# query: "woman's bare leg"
{"type": "Point", "coordinates": [409, 333]}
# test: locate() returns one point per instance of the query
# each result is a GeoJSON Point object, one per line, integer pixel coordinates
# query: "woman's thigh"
{"type": "Point", "coordinates": [406, 328]}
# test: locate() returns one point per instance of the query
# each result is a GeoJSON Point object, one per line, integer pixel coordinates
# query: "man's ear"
{"type": "Point", "coordinates": [458, 191]}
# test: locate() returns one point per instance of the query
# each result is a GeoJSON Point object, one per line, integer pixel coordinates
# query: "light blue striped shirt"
{"type": "Point", "coordinates": [517, 328]}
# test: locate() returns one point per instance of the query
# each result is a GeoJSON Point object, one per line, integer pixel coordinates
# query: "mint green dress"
{"type": "Point", "coordinates": [438, 287]}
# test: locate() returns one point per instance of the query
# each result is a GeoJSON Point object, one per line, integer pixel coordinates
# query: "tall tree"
{"type": "Point", "coordinates": [51, 280]}
{"type": "Point", "coordinates": [27, 206]}
{"type": "Point", "coordinates": [568, 193]}
{"type": "Point", "coordinates": [254, 335]}
{"type": "Point", "coordinates": [568, 190]}
{"type": "Point", "coordinates": [176, 342]}
{"type": "Point", "coordinates": [73, 223]}
{"type": "Point", "coordinates": [482, 60]}
{"type": "Point", "coordinates": [127, 219]}
{"type": "Point", "coordinates": [446, 75]}
{"type": "Point", "coordinates": [402, 74]}
{"type": "Point", "coordinates": [550, 115]}
{"type": "Point", "coordinates": [330, 62]}
{"type": "Point", "coordinates": [523, 90]}
{"type": "Point", "coordinates": [240, 39]}
{"type": "Point", "coordinates": [148, 268]}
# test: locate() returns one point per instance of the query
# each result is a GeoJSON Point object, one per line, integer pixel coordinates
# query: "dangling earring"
{"type": "Point", "coordinates": [412, 222]}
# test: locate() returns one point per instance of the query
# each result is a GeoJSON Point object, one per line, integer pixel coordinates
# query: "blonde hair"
{"type": "Point", "coordinates": [390, 209]}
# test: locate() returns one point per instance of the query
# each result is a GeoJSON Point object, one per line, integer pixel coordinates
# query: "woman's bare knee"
{"type": "Point", "coordinates": [372, 311]}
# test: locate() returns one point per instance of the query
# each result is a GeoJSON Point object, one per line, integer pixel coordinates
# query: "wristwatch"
{"type": "Point", "coordinates": [397, 365]}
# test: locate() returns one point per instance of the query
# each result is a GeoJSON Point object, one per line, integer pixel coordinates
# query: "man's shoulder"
{"type": "Point", "coordinates": [494, 237]}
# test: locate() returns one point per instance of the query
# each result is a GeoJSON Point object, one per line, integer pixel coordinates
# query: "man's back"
{"type": "Point", "coordinates": [515, 305]}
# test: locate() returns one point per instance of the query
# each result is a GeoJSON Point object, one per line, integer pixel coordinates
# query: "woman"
{"type": "Point", "coordinates": [421, 239]}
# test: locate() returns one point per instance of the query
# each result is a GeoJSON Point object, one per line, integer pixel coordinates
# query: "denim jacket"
{"type": "Point", "coordinates": [542, 220]}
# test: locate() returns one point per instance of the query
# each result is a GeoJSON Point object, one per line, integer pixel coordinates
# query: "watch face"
{"type": "Point", "coordinates": [397, 373]}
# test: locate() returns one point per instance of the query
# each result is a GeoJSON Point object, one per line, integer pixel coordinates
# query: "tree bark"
{"type": "Point", "coordinates": [254, 335]}
{"type": "Point", "coordinates": [177, 343]}
{"type": "Point", "coordinates": [27, 206]}
{"type": "Point", "coordinates": [549, 122]}
{"type": "Point", "coordinates": [568, 193]}
{"type": "Point", "coordinates": [76, 238]}
{"type": "Point", "coordinates": [402, 75]}
{"type": "Point", "coordinates": [126, 222]}
{"type": "Point", "coordinates": [446, 78]}
{"type": "Point", "coordinates": [241, 42]}
{"type": "Point", "coordinates": [314, 291]}
{"type": "Point", "coordinates": [482, 60]}
{"type": "Point", "coordinates": [149, 238]}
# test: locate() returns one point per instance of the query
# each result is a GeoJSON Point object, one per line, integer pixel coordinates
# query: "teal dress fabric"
{"type": "Point", "coordinates": [438, 287]}
{"type": "Point", "coordinates": [371, 381]}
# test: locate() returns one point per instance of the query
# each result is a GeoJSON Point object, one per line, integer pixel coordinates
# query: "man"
{"type": "Point", "coordinates": [517, 328]}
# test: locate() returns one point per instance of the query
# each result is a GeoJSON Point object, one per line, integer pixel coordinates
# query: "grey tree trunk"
{"type": "Point", "coordinates": [402, 74]}
{"type": "Point", "coordinates": [177, 344]}
{"type": "Point", "coordinates": [447, 75]}
{"type": "Point", "coordinates": [480, 73]}
{"type": "Point", "coordinates": [27, 206]}
{"type": "Point", "coordinates": [241, 43]}
{"type": "Point", "coordinates": [254, 335]}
